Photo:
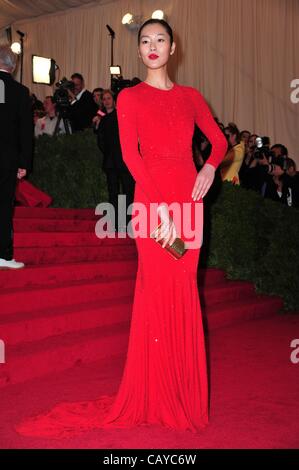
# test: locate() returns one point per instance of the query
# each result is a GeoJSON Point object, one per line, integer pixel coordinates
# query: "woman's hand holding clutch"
{"type": "Point", "coordinates": [167, 230]}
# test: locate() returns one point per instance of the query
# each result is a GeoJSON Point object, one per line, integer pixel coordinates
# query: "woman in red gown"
{"type": "Point", "coordinates": [165, 376]}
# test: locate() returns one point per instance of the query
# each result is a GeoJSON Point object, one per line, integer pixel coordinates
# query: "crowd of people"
{"type": "Point", "coordinates": [252, 163]}
{"type": "Point", "coordinates": [268, 170]}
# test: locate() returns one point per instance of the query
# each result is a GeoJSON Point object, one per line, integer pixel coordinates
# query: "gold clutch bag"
{"type": "Point", "coordinates": [177, 249]}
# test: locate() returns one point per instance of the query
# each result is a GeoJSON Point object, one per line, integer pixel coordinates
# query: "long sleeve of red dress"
{"type": "Point", "coordinates": [127, 123]}
{"type": "Point", "coordinates": [207, 124]}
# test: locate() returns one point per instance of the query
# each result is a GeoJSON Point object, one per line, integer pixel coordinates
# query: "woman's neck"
{"type": "Point", "coordinates": [159, 79]}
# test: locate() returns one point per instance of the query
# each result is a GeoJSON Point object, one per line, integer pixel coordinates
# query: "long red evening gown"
{"type": "Point", "coordinates": [165, 376]}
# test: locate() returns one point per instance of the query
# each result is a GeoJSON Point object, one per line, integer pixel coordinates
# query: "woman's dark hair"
{"type": "Point", "coordinates": [283, 150]}
{"type": "Point", "coordinates": [156, 21]}
{"type": "Point", "coordinates": [233, 129]}
{"type": "Point", "coordinates": [290, 163]}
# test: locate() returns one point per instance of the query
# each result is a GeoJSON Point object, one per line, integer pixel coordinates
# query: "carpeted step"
{"type": "Point", "coordinates": [210, 276]}
{"type": "Point", "coordinates": [36, 325]}
{"type": "Point", "coordinates": [48, 321]}
{"type": "Point", "coordinates": [54, 213]}
{"type": "Point", "coordinates": [225, 314]}
{"type": "Point", "coordinates": [23, 362]}
{"type": "Point", "coordinates": [71, 254]}
{"type": "Point", "coordinates": [70, 293]}
{"type": "Point", "coordinates": [28, 224]}
{"type": "Point", "coordinates": [225, 291]}
{"type": "Point", "coordinates": [52, 239]}
{"type": "Point", "coordinates": [53, 274]}
{"type": "Point", "coordinates": [64, 288]}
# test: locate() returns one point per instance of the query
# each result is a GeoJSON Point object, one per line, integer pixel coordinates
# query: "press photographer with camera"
{"type": "Point", "coordinates": [253, 175]}
{"type": "Point", "coordinates": [82, 105]}
{"type": "Point", "coordinates": [292, 184]}
{"type": "Point", "coordinates": [269, 172]}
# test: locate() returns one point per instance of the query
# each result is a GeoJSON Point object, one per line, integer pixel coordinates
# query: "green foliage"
{"type": "Point", "coordinates": [251, 238]}
{"type": "Point", "coordinates": [68, 168]}
{"type": "Point", "coordinates": [256, 239]}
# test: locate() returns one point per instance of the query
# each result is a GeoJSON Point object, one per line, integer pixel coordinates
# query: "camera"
{"type": "Point", "coordinates": [61, 96]}
{"type": "Point", "coordinates": [262, 145]}
{"type": "Point", "coordinates": [118, 83]}
{"type": "Point", "coordinates": [262, 149]}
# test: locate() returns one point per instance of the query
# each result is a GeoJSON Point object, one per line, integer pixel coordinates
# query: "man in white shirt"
{"type": "Point", "coordinates": [47, 124]}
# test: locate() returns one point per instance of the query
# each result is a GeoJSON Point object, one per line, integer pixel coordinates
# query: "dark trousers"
{"type": "Point", "coordinates": [8, 181]}
{"type": "Point", "coordinates": [115, 178]}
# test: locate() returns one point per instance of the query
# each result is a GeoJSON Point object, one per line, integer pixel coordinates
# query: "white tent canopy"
{"type": "Point", "coordinates": [14, 10]}
{"type": "Point", "coordinates": [231, 50]}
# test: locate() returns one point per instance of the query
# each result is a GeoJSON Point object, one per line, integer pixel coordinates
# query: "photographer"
{"type": "Point", "coordinates": [282, 187]}
{"type": "Point", "coordinates": [275, 174]}
{"type": "Point", "coordinates": [266, 168]}
{"type": "Point", "coordinates": [83, 107]}
{"type": "Point", "coordinates": [291, 184]}
{"type": "Point", "coordinates": [48, 123]}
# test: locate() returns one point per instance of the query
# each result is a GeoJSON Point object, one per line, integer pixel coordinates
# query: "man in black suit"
{"type": "Point", "coordinates": [113, 165]}
{"type": "Point", "coordinates": [83, 107]}
{"type": "Point", "coordinates": [16, 137]}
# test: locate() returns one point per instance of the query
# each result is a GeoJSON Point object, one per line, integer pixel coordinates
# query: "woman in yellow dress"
{"type": "Point", "coordinates": [231, 164]}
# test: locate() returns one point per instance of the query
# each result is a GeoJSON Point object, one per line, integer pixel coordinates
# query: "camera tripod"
{"type": "Point", "coordinates": [61, 116]}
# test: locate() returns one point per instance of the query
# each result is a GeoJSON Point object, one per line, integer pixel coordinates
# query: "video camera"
{"type": "Point", "coordinates": [61, 96]}
{"type": "Point", "coordinates": [118, 83]}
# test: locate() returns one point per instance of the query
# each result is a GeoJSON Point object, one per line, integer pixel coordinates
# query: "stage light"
{"type": "Point", "coordinates": [132, 22]}
{"type": "Point", "coordinates": [127, 18]}
{"type": "Point", "coordinates": [43, 70]}
{"type": "Point", "coordinates": [16, 48]}
{"type": "Point", "coordinates": [115, 70]}
{"type": "Point", "coordinates": [158, 15]}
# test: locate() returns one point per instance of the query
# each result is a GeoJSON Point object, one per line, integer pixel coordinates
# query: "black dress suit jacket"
{"type": "Point", "coordinates": [109, 143]}
{"type": "Point", "coordinates": [16, 125]}
{"type": "Point", "coordinates": [82, 112]}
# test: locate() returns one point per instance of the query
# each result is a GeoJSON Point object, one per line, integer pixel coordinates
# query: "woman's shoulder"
{"type": "Point", "coordinates": [131, 90]}
{"type": "Point", "coordinates": [128, 94]}
{"type": "Point", "coordinates": [191, 90]}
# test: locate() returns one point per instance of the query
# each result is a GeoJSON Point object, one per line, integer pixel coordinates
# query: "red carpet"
{"type": "Point", "coordinates": [65, 322]}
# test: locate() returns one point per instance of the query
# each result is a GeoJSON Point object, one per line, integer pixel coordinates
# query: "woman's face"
{"type": "Point", "coordinates": [154, 46]}
{"type": "Point", "coordinates": [108, 101]}
{"type": "Point", "coordinates": [97, 97]}
{"type": "Point", "coordinates": [231, 138]}
{"type": "Point", "coordinates": [251, 141]}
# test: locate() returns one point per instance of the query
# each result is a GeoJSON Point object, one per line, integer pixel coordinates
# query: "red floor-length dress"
{"type": "Point", "coordinates": [165, 375]}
